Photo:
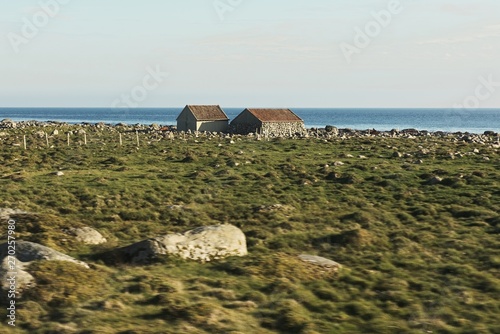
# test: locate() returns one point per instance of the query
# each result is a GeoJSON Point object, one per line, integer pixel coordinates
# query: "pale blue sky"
{"type": "Point", "coordinates": [276, 53]}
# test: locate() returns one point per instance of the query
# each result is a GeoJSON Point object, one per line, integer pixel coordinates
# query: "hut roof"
{"type": "Point", "coordinates": [208, 113]}
{"type": "Point", "coordinates": [275, 115]}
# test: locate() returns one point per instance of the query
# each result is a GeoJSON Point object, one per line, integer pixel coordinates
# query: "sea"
{"type": "Point", "coordinates": [382, 119]}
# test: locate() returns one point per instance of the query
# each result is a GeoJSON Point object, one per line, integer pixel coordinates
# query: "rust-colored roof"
{"type": "Point", "coordinates": [208, 113]}
{"type": "Point", "coordinates": [275, 115]}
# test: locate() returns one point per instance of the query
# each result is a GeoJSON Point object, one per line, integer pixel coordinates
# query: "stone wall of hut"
{"type": "Point", "coordinates": [282, 129]}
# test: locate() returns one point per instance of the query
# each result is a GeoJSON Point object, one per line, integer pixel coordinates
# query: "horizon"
{"type": "Point", "coordinates": [251, 107]}
{"type": "Point", "coordinates": [369, 54]}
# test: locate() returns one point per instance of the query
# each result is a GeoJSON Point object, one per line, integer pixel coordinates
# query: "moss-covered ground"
{"type": "Point", "coordinates": [417, 257]}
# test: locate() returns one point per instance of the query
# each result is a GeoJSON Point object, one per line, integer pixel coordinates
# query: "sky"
{"type": "Point", "coordinates": [250, 53]}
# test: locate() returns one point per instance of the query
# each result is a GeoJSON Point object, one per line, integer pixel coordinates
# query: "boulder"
{"type": "Point", "coordinates": [320, 262]}
{"type": "Point", "coordinates": [29, 251]}
{"type": "Point", "coordinates": [87, 235]}
{"type": "Point", "coordinates": [202, 244]}
{"type": "Point", "coordinates": [16, 265]}
{"type": "Point", "coordinates": [23, 279]}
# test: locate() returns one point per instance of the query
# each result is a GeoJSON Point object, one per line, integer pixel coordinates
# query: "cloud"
{"type": "Point", "coordinates": [462, 10]}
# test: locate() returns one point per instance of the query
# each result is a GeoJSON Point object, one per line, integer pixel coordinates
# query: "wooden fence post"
{"type": "Point", "coordinates": [121, 142]}
{"type": "Point", "coordinates": [47, 139]}
{"type": "Point", "coordinates": [24, 141]}
{"type": "Point", "coordinates": [68, 138]}
{"type": "Point", "coordinates": [137, 135]}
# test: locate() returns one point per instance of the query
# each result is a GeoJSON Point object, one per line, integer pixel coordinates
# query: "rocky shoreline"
{"type": "Point", "coordinates": [328, 132]}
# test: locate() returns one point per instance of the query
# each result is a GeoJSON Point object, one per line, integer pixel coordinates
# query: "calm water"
{"type": "Point", "coordinates": [450, 120]}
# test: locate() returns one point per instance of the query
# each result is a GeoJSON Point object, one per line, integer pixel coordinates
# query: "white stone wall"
{"type": "Point", "coordinates": [282, 129]}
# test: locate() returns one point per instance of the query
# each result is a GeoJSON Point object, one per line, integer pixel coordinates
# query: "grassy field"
{"type": "Point", "coordinates": [417, 257]}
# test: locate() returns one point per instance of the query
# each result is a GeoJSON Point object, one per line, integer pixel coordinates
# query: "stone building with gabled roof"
{"type": "Point", "coordinates": [269, 122]}
{"type": "Point", "coordinates": [202, 118]}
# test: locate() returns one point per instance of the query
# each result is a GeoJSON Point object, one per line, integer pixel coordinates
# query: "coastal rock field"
{"type": "Point", "coordinates": [346, 231]}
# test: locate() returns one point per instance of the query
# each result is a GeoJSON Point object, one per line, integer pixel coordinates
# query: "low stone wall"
{"type": "Point", "coordinates": [243, 128]}
{"type": "Point", "coordinates": [283, 129]}
{"type": "Point", "coordinates": [278, 129]}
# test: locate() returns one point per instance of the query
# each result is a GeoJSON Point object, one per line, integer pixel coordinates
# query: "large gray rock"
{"type": "Point", "coordinates": [29, 251]}
{"type": "Point", "coordinates": [87, 235]}
{"type": "Point", "coordinates": [23, 279]}
{"type": "Point", "coordinates": [203, 244]}
{"type": "Point", "coordinates": [25, 253]}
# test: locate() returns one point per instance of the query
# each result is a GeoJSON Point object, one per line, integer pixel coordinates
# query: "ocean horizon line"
{"type": "Point", "coordinates": [380, 119]}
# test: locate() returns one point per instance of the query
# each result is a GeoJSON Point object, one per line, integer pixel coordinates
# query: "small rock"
{"type": "Point", "coordinates": [320, 261]}
{"type": "Point", "coordinates": [6, 213]}
{"type": "Point", "coordinates": [175, 207]}
{"type": "Point", "coordinates": [59, 173]}
{"type": "Point", "coordinates": [434, 180]}
{"type": "Point", "coordinates": [397, 155]}
{"type": "Point", "coordinates": [87, 235]}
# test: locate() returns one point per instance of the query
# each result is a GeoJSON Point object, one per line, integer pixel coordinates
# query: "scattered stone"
{"type": "Point", "coordinates": [87, 235]}
{"type": "Point", "coordinates": [397, 155]}
{"type": "Point", "coordinates": [203, 244]}
{"type": "Point", "coordinates": [321, 262]}
{"type": "Point", "coordinates": [338, 163]}
{"type": "Point", "coordinates": [434, 180]}
{"type": "Point", "coordinates": [59, 173]}
{"type": "Point", "coordinates": [274, 208]}
{"type": "Point", "coordinates": [6, 213]}
{"type": "Point", "coordinates": [175, 207]}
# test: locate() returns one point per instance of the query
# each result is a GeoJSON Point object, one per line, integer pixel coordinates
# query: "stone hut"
{"type": "Point", "coordinates": [203, 118]}
{"type": "Point", "coordinates": [269, 122]}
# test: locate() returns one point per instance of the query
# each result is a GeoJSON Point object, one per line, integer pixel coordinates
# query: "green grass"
{"type": "Point", "coordinates": [417, 257]}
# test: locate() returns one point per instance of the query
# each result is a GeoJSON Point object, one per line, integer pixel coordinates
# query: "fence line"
{"type": "Point", "coordinates": [34, 138]}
